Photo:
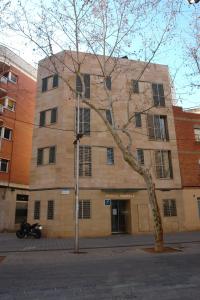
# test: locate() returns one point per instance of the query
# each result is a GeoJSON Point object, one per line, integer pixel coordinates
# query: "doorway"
{"type": "Point", "coordinates": [119, 216]}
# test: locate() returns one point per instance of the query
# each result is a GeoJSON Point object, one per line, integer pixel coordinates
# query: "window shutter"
{"type": "Point", "coordinates": [108, 83]}
{"type": "Point", "coordinates": [161, 94]}
{"type": "Point", "coordinates": [55, 80]}
{"type": "Point", "coordinates": [54, 115]}
{"type": "Point", "coordinates": [42, 118]}
{"type": "Point", "coordinates": [87, 85]}
{"type": "Point", "coordinates": [52, 154]}
{"type": "Point", "coordinates": [40, 157]}
{"type": "Point", "coordinates": [44, 84]}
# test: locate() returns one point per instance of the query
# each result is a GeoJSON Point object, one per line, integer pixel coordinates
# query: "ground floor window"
{"type": "Point", "coordinates": [84, 209]}
{"type": "Point", "coordinates": [169, 208]}
{"type": "Point", "coordinates": [21, 208]}
{"type": "Point", "coordinates": [37, 210]}
{"type": "Point", "coordinates": [50, 210]}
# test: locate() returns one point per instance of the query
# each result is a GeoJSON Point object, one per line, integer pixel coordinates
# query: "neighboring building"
{"type": "Point", "coordinates": [17, 103]}
{"type": "Point", "coordinates": [187, 126]}
{"type": "Point", "coordinates": [104, 176]}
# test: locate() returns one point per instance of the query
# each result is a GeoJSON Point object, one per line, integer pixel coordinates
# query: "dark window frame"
{"type": "Point", "coordinates": [79, 88]}
{"type": "Point", "coordinates": [162, 170]}
{"type": "Point", "coordinates": [53, 118]}
{"type": "Point", "coordinates": [4, 165]}
{"type": "Point", "coordinates": [169, 208]}
{"type": "Point", "coordinates": [157, 127]}
{"type": "Point", "coordinates": [140, 156]}
{"type": "Point", "coordinates": [158, 94]}
{"type": "Point", "coordinates": [37, 207]}
{"type": "Point", "coordinates": [84, 209]}
{"type": "Point", "coordinates": [84, 120]}
{"type": "Point", "coordinates": [85, 161]}
{"type": "Point", "coordinates": [110, 156]}
{"type": "Point", "coordinates": [50, 209]}
{"type": "Point", "coordinates": [52, 156]}
{"type": "Point", "coordinates": [135, 87]}
{"type": "Point", "coordinates": [138, 119]}
{"type": "Point", "coordinates": [45, 82]}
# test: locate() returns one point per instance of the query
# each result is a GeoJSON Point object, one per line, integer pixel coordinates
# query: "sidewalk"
{"type": "Point", "coordinates": [10, 243]}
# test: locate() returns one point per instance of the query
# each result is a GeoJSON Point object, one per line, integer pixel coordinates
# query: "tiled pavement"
{"type": "Point", "coordinates": [10, 243]}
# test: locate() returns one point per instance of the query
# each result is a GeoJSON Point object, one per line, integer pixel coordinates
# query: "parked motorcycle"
{"type": "Point", "coordinates": [27, 229]}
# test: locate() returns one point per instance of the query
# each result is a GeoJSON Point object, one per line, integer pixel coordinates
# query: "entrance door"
{"type": "Point", "coordinates": [119, 215]}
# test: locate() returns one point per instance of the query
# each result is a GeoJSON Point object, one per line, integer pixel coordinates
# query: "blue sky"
{"type": "Point", "coordinates": [173, 53]}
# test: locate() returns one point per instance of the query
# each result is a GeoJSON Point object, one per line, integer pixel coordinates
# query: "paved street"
{"type": "Point", "coordinates": [100, 273]}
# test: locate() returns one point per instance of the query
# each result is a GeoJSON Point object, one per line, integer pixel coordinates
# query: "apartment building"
{"type": "Point", "coordinates": [113, 198]}
{"type": "Point", "coordinates": [17, 102]}
{"type": "Point", "coordinates": [187, 125]}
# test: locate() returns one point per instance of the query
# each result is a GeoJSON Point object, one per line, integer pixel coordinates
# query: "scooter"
{"type": "Point", "coordinates": [29, 230]}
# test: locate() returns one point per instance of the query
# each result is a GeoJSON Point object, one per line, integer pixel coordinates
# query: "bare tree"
{"type": "Point", "coordinates": [108, 28]}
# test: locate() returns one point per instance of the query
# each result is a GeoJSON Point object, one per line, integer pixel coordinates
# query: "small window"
{"type": "Point", "coordinates": [37, 210]}
{"type": "Point", "coordinates": [108, 116]}
{"type": "Point", "coordinates": [140, 156]}
{"type": "Point", "coordinates": [84, 209]}
{"type": "Point", "coordinates": [53, 115]}
{"type": "Point", "coordinates": [50, 210]}
{"type": "Point", "coordinates": [55, 80]}
{"type": "Point", "coordinates": [4, 165]}
{"type": "Point", "coordinates": [13, 78]}
{"type": "Point", "coordinates": [138, 119]}
{"type": "Point", "coordinates": [110, 156]}
{"type": "Point", "coordinates": [7, 134]}
{"type": "Point", "coordinates": [44, 84]}
{"type": "Point", "coordinates": [197, 134]}
{"type": "Point", "coordinates": [42, 118]}
{"type": "Point", "coordinates": [40, 156]}
{"type": "Point", "coordinates": [108, 83]}
{"type": "Point", "coordinates": [52, 154]}
{"type": "Point", "coordinates": [135, 86]}
{"type": "Point", "coordinates": [169, 208]}
{"type": "Point", "coordinates": [158, 94]}
{"type": "Point", "coordinates": [198, 205]}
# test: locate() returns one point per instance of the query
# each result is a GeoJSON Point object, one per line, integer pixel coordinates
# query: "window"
{"type": "Point", "coordinates": [197, 134]}
{"type": "Point", "coordinates": [21, 208]}
{"type": "Point", "coordinates": [84, 209]}
{"type": "Point", "coordinates": [4, 165]}
{"type": "Point", "coordinates": [110, 156]}
{"type": "Point", "coordinates": [79, 88]}
{"type": "Point", "coordinates": [135, 86]}
{"type": "Point", "coordinates": [157, 127]}
{"type": "Point", "coordinates": [48, 117]}
{"type": "Point", "coordinates": [11, 77]}
{"type": "Point", "coordinates": [108, 83]}
{"type": "Point", "coordinates": [140, 156]}
{"type": "Point", "coordinates": [158, 94]}
{"type": "Point", "coordinates": [50, 210]}
{"type": "Point", "coordinates": [138, 119]}
{"type": "Point", "coordinates": [7, 103]}
{"type": "Point", "coordinates": [6, 133]}
{"type": "Point", "coordinates": [108, 116]}
{"type": "Point", "coordinates": [169, 208]}
{"type": "Point", "coordinates": [198, 204]}
{"type": "Point", "coordinates": [84, 124]}
{"type": "Point", "coordinates": [49, 82]}
{"type": "Point", "coordinates": [163, 164]}
{"type": "Point", "coordinates": [37, 210]}
{"type": "Point", "coordinates": [46, 155]}
{"type": "Point", "coordinates": [85, 161]}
